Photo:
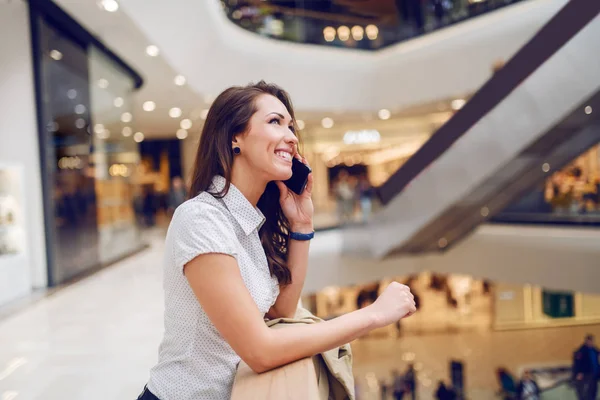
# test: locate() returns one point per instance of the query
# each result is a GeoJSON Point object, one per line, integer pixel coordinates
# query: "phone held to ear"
{"type": "Point", "coordinates": [297, 183]}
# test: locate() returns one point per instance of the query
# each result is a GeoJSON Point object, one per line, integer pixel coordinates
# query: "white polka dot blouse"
{"type": "Point", "coordinates": [195, 362]}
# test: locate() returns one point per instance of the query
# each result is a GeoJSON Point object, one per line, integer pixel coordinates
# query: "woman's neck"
{"type": "Point", "coordinates": [247, 183]}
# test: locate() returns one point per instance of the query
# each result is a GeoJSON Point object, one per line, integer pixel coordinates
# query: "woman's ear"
{"type": "Point", "coordinates": [235, 146]}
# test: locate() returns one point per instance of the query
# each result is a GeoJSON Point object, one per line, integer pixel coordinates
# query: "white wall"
{"type": "Point", "coordinates": [19, 145]}
{"type": "Point", "coordinates": [555, 258]}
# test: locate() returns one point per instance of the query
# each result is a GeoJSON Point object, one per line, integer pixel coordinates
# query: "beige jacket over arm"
{"type": "Point", "coordinates": [323, 377]}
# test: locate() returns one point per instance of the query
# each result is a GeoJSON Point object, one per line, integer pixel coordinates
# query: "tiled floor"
{"type": "Point", "coordinates": [98, 338]}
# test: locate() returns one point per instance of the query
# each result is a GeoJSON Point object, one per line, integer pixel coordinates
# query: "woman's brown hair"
{"type": "Point", "coordinates": [228, 117]}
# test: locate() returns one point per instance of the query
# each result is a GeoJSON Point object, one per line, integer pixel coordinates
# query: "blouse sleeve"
{"type": "Point", "coordinates": [201, 228]}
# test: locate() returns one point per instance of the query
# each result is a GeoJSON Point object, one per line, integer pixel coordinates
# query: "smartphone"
{"type": "Point", "coordinates": [300, 172]}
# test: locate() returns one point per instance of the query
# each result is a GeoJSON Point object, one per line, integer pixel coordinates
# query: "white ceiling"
{"type": "Point", "coordinates": [121, 35]}
{"type": "Point", "coordinates": [197, 40]}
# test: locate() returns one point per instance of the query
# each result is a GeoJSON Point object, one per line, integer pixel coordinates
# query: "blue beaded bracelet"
{"type": "Point", "coordinates": [301, 236]}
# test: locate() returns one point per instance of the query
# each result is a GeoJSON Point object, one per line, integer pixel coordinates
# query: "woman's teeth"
{"type": "Point", "coordinates": [285, 155]}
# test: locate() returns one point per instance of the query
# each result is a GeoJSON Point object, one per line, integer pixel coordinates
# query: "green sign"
{"type": "Point", "coordinates": [558, 304]}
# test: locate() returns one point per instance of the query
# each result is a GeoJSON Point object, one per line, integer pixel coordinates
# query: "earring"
{"type": "Point", "coordinates": [237, 150]}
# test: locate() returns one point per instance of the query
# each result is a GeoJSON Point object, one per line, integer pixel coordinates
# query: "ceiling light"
{"type": "Point", "coordinates": [443, 242]}
{"type": "Point", "coordinates": [80, 123]}
{"type": "Point", "coordinates": [457, 104]}
{"type": "Point", "coordinates": [56, 55]}
{"type": "Point", "coordinates": [343, 33]}
{"type": "Point", "coordinates": [72, 94]}
{"type": "Point", "coordinates": [329, 34]}
{"type": "Point", "coordinates": [182, 134]}
{"type": "Point", "coordinates": [485, 211]}
{"type": "Point", "coordinates": [118, 102]}
{"type": "Point", "coordinates": [300, 123]}
{"type": "Point", "coordinates": [175, 112]}
{"type": "Point", "coordinates": [180, 80]}
{"type": "Point", "coordinates": [546, 167]}
{"type": "Point", "coordinates": [126, 131]}
{"type": "Point", "coordinates": [109, 5]}
{"type": "Point", "coordinates": [327, 123]}
{"type": "Point", "coordinates": [80, 109]}
{"type": "Point", "coordinates": [372, 31]}
{"type": "Point", "coordinates": [204, 113]}
{"type": "Point", "coordinates": [126, 117]}
{"type": "Point", "coordinates": [384, 114]}
{"type": "Point", "coordinates": [52, 126]}
{"type": "Point", "coordinates": [103, 134]}
{"type": "Point", "coordinates": [138, 137]}
{"type": "Point", "coordinates": [152, 50]}
{"type": "Point", "coordinates": [102, 83]}
{"type": "Point", "coordinates": [358, 33]}
{"type": "Point", "coordinates": [98, 128]}
{"type": "Point", "coordinates": [588, 110]}
{"type": "Point", "coordinates": [185, 124]}
{"type": "Point", "coordinates": [149, 106]}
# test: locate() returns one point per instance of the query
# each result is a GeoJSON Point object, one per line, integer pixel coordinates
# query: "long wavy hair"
{"type": "Point", "coordinates": [228, 117]}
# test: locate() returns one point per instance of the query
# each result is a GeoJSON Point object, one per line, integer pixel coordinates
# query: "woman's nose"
{"type": "Point", "coordinates": [292, 139]}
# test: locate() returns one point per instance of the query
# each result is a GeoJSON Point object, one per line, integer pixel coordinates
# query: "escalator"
{"type": "Point", "coordinates": [536, 114]}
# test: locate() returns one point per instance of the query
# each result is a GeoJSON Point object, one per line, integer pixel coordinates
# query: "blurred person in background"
{"type": "Point", "coordinates": [138, 204]}
{"type": "Point", "coordinates": [238, 253]}
{"type": "Point", "coordinates": [344, 193]}
{"type": "Point", "coordinates": [383, 387]}
{"type": "Point", "coordinates": [444, 393]}
{"type": "Point", "coordinates": [528, 388]}
{"type": "Point", "coordinates": [149, 206]}
{"type": "Point", "coordinates": [398, 385]}
{"type": "Point", "coordinates": [508, 389]}
{"type": "Point", "coordinates": [586, 369]}
{"type": "Point", "coordinates": [365, 197]}
{"type": "Point", "coordinates": [177, 194]}
{"type": "Point", "coordinates": [410, 380]}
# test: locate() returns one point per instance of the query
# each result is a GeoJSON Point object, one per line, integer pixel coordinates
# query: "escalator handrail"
{"type": "Point", "coordinates": [567, 22]}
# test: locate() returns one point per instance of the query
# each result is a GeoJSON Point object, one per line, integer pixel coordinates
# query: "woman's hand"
{"type": "Point", "coordinates": [395, 303]}
{"type": "Point", "coordinates": [298, 209]}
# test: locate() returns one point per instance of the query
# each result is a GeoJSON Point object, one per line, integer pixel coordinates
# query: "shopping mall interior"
{"type": "Point", "coordinates": [454, 148]}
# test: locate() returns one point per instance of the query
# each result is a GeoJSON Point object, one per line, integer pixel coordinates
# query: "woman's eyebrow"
{"type": "Point", "coordinates": [276, 113]}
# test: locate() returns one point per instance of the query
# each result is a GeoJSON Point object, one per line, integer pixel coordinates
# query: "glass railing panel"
{"type": "Point", "coordinates": [366, 26]}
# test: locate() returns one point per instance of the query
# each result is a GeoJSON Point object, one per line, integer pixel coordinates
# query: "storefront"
{"type": "Point", "coordinates": [462, 303]}
{"type": "Point", "coordinates": [68, 156]}
{"type": "Point", "coordinates": [87, 149]}
{"type": "Point", "coordinates": [360, 151]}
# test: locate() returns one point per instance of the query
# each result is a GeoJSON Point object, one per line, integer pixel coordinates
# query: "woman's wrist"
{"type": "Point", "coordinates": [371, 318]}
{"type": "Point", "coordinates": [302, 228]}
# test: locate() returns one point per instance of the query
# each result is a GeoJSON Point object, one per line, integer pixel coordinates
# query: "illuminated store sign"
{"type": "Point", "coordinates": [362, 137]}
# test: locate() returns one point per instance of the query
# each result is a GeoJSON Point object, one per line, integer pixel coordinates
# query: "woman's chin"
{"type": "Point", "coordinates": [282, 174]}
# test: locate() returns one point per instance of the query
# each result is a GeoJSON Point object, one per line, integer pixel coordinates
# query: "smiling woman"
{"type": "Point", "coordinates": [237, 252]}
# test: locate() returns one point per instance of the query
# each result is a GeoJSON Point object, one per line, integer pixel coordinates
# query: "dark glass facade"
{"type": "Point", "coordinates": [88, 154]}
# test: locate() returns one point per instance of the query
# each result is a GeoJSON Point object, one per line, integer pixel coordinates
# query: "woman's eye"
{"type": "Point", "coordinates": [276, 120]}
{"type": "Point", "coordinates": [292, 128]}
